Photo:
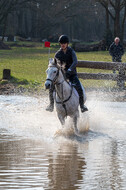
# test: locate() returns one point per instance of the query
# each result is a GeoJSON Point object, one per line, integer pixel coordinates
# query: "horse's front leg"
{"type": "Point", "coordinates": [75, 123]}
{"type": "Point", "coordinates": [62, 119]}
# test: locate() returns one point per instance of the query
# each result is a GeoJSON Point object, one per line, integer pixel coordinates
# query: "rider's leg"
{"type": "Point", "coordinates": [81, 99]}
{"type": "Point", "coordinates": [50, 107]}
{"type": "Point", "coordinates": [114, 69]}
{"type": "Point", "coordinates": [74, 79]}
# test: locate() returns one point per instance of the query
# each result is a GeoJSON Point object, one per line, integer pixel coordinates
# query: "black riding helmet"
{"type": "Point", "coordinates": [63, 39]}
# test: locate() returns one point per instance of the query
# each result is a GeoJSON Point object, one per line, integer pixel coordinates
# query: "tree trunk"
{"type": "Point", "coordinates": [123, 24]}
{"type": "Point", "coordinates": [107, 18]}
{"type": "Point", "coordinates": [117, 19]}
{"type": "Point", "coordinates": [4, 29]}
{"type": "Point", "coordinates": [117, 26]}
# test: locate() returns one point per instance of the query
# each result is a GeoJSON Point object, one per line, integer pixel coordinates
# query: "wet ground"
{"type": "Point", "coordinates": [36, 154]}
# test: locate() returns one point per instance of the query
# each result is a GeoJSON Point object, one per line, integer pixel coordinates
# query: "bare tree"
{"type": "Point", "coordinates": [60, 14]}
{"type": "Point", "coordinates": [47, 18]}
{"type": "Point", "coordinates": [57, 12]}
{"type": "Point", "coordinates": [116, 9]}
{"type": "Point", "coordinates": [9, 6]}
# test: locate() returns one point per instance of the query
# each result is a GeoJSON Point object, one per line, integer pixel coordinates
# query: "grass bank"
{"type": "Point", "coordinates": [29, 61]}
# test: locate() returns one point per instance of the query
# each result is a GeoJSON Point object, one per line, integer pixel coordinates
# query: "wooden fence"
{"type": "Point", "coordinates": [120, 77]}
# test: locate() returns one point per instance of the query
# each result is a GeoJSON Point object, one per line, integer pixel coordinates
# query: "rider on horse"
{"type": "Point", "coordinates": [67, 55]}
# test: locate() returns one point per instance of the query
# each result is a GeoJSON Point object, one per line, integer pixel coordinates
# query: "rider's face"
{"type": "Point", "coordinates": [64, 46]}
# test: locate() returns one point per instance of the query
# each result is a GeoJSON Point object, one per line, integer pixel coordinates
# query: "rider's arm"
{"type": "Point", "coordinates": [121, 50]}
{"type": "Point", "coordinates": [74, 58]}
{"type": "Point", "coordinates": [111, 50]}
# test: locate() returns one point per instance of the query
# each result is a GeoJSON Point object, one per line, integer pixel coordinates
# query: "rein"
{"type": "Point", "coordinates": [64, 101]}
{"type": "Point", "coordinates": [54, 81]}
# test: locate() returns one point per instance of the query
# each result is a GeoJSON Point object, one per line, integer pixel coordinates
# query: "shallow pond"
{"type": "Point", "coordinates": [35, 154]}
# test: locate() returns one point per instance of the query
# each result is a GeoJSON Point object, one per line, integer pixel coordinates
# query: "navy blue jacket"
{"type": "Point", "coordinates": [116, 51]}
{"type": "Point", "coordinates": [69, 58]}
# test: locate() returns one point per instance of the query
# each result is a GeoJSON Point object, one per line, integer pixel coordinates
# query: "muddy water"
{"type": "Point", "coordinates": [35, 154]}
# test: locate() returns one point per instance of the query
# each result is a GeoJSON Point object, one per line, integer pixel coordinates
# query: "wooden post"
{"type": "Point", "coordinates": [6, 74]}
{"type": "Point", "coordinates": [121, 78]}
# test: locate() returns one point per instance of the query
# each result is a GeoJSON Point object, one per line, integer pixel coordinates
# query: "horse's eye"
{"type": "Point", "coordinates": [54, 71]}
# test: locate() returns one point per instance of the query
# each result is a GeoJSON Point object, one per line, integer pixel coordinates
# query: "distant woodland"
{"type": "Point", "coordinates": [81, 20]}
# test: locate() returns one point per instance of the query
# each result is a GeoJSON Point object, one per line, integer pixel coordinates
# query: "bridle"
{"type": "Point", "coordinates": [54, 81]}
{"type": "Point", "coordinates": [55, 78]}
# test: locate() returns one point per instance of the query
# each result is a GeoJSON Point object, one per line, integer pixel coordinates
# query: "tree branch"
{"type": "Point", "coordinates": [112, 4]}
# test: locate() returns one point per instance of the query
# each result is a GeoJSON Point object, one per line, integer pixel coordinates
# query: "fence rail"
{"type": "Point", "coordinates": [120, 77]}
{"type": "Point", "coordinates": [102, 65]}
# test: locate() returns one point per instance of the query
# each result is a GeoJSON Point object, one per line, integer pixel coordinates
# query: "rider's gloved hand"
{"type": "Point", "coordinates": [68, 73]}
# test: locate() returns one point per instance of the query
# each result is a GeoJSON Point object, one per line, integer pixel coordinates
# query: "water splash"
{"type": "Point", "coordinates": [32, 156]}
{"type": "Point", "coordinates": [26, 116]}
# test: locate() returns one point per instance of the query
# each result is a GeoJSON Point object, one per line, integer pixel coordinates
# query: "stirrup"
{"type": "Point", "coordinates": [84, 108]}
{"type": "Point", "coordinates": [50, 108]}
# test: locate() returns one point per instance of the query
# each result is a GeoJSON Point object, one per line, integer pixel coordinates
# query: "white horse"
{"type": "Point", "coordinates": [66, 97]}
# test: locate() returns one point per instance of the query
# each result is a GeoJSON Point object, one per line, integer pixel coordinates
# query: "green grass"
{"type": "Point", "coordinates": [28, 65]}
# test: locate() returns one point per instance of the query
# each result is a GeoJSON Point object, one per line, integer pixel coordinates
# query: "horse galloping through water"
{"type": "Point", "coordinates": [66, 97]}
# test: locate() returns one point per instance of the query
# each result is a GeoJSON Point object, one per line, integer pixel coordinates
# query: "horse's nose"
{"type": "Point", "coordinates": [47, 85]}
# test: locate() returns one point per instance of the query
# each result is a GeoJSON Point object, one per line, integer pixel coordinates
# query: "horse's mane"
{"type": "Point", "coordinates": [56, 63]}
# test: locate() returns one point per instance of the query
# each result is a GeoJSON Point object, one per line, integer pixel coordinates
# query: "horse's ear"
{"type": "Point", "coordinates": [63, 65]}
{"type": "Point", "coordinates": [51, 61]}
{"type": "Point", "coordinates": [58, 63]}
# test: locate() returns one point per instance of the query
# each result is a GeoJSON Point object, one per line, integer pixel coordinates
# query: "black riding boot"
{"type": "Point", "coordinates": [50, 107]}
{"type": "Point", "coordinates": [81, 100]}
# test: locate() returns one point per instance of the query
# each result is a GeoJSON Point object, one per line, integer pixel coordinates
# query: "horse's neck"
{"type": "Point", "coordinates": [60, 77]}
{"type": "Point", "coordinates": [62, 87]}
